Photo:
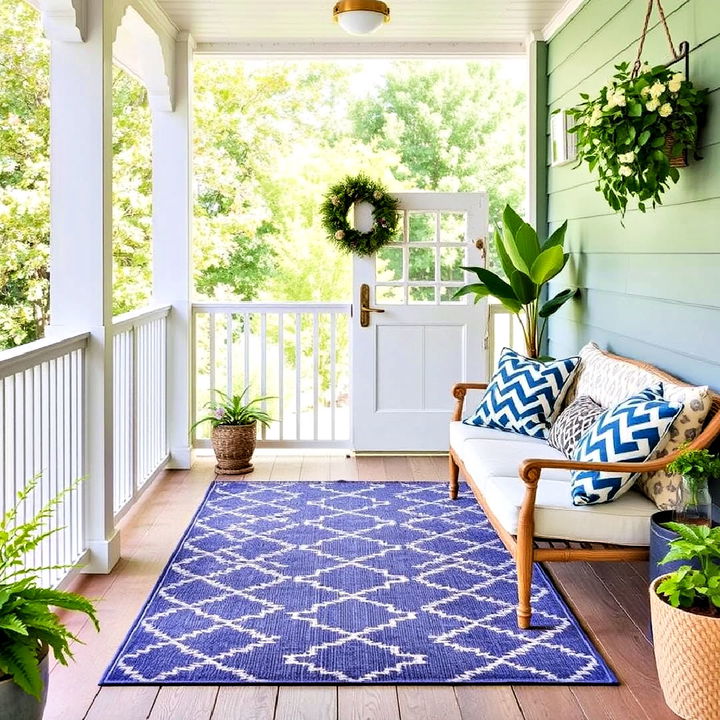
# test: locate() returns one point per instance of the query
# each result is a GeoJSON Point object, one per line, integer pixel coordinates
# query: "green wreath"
{"type": "Point", "coordinates": [337, 203]}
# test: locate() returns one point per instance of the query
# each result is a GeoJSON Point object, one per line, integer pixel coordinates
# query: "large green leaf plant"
{"type": "Point", "coordinates": [528, 266]}
{"type": "Point", "coordinates": [28, 626]}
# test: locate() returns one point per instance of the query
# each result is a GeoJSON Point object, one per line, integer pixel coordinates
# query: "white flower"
{"type": "Point", "coordinates": [596, 117]}
{"type": "Point", "coordinates": [625, 171]}
{"type": "Point", "coordinates": [619, 99]}
{"type": "Point", "coordinates": [377, 194]}
{"type": "Point", "coordinates": [657, 89]}
{"type": "Point", "coordinates": [627, 158]}
{"type": "Point", "coordinates": [645, 91]}
{"type": "Point", "coordinates": [653, 105]}
{"type": "Point", "coordinates": [339, 235]}
{"type": "Point", "coordinates": [665, 110]}
{"type": "Point", "coordinates": [676, 81]}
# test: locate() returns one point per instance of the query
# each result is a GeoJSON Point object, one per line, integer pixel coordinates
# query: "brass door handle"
{"type": "Point", "coordinates": [365, 308]}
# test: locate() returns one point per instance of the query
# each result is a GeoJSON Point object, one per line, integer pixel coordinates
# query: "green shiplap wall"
{"type": "Point", "coordinates": [651, 289]}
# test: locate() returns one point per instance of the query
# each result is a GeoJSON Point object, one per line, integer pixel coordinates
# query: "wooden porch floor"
{"type": "Point", "coordinates": [609, 598]}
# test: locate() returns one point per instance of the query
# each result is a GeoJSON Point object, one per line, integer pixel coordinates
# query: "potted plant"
{"type": "Point", "coordinates": [29, 629]}
{"type": "Point", "coordinates": [528, 266]}
{"type": "Point", "coordinates": [685, 612]}
{"type": "Point", "coordinates": [234, 430]}
{"type": "Point", "coordinates": [637, 131]}
{"type": "Point", "coordinates": [697, 467]}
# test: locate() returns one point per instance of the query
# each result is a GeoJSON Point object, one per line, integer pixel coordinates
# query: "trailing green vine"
{"type": "Point", "coordinates": [631, 131]}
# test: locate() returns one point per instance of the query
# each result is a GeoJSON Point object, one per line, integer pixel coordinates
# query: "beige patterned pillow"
{"type": "Point", "coordinates": [608, 381]}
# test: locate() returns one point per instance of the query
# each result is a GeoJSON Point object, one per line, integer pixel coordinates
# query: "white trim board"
{"type": "Point", "coordinates": [561, 18]}
{"type": "Point", "coordinates": [324, 50]}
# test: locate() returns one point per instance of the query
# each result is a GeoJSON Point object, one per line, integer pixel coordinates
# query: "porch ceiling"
{"type": "Point", "coordinates": [272, 23]}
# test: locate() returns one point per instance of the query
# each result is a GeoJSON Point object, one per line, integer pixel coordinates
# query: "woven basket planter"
{"type": "Point", "coordinates": [686, 654]}
{"type": "Point", "coordinates": [679, 161]}
{"type": "Point", "coordinates": [234, 446]}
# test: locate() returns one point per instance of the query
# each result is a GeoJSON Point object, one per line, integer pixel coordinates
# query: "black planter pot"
{"type": "Point", "coordinates": [660, 538]}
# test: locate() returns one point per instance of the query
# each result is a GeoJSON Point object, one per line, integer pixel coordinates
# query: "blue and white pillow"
{"type": "Point", "coordinates": [524, 394]}
{"type": "Point", "coordinates": [628, 432]}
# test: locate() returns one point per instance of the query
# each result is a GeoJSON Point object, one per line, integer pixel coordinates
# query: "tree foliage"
{"type": "Point", "coordinates": [269, 139]}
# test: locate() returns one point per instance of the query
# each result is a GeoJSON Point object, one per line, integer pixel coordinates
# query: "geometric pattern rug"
{"type": "Point", "coordinates": [347, 582]}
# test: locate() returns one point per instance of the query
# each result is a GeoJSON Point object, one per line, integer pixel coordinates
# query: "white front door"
{"type": "Point", "coordinates": [407, 357]}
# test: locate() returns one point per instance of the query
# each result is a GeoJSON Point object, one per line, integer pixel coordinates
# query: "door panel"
{"type": "Point", "coordinates": [424, 340]}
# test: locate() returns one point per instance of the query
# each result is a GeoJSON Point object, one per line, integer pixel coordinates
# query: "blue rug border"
{"type": "Point", "coordinates": [537, 567]}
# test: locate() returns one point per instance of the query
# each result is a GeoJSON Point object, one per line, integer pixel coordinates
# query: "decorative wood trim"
{"type": "Point", "coordinates": [561, 18]}
{"type": "Point", "coordinates": [144, 45]}
{"type": "Point", "coordinates": [459, 391]}
{"type": "Point", "coordinates": [63, 20]}
{"type": "Point", "coordinates": [282, 49]}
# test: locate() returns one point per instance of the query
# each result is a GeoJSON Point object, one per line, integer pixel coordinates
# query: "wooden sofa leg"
{"type": "Point", "coordinates": [454, 477]}
{"type": "Point", "coordinates": [524, 564]}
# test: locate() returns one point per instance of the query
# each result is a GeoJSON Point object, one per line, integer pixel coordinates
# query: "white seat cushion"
{"type": "Point", "coordinates": [498, 458]}
{"type": "Point", "coordinates": [626, 521]}
{"type": "Point", "coordinates": [460, 432]}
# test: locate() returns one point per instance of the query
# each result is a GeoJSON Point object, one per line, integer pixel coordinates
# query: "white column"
{"type": "Point", "coordinates": [81, 250]}
{"type": "Point", "coordinates": [172, 237]}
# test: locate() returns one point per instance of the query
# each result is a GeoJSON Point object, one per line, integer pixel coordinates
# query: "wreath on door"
{"type": "Point", "coordinates": [337, 204]}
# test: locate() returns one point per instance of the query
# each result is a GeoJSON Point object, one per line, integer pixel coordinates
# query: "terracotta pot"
{"type": "Point", "coordinates": [234, 446]}
{"type": "Point", "coordinates": [686, 654]}
{"type": "Point", "coordinates": [15, 703]}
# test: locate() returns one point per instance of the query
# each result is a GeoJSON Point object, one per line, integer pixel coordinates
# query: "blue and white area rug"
{"type": "Point", "coordinates": [347, 582]}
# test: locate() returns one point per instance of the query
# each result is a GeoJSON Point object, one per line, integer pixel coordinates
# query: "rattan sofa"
{"type": "Point", "coordinates": [524, 508]}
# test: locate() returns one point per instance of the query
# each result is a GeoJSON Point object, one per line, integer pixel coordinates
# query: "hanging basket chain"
{"type": "Point", "coordinates": [638, 62]}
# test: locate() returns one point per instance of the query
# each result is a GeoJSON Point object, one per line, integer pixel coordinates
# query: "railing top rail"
{"type": "Point", "coordinates": [266, 307]}
{"type": "Point", "coordinates": [136, 318]}
{"type": "Point", "coordinates": [31, 354]}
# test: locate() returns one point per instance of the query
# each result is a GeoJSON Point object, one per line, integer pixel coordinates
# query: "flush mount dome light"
{"type": "Point", "coordinates": [361, 17]}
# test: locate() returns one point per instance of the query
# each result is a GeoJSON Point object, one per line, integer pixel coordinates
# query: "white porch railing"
{"type": "Point", "coordinates": [296, 352]}
{"type": "Point", "coordinates": [42, 433]}
{"type": "Point", "coordinates": [503, 330]}
{"type": "Point", "coordinates": [139, 398]}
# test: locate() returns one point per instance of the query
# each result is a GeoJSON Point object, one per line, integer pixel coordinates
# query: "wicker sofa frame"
{"type": "Point", "coordinates": [525, 548]}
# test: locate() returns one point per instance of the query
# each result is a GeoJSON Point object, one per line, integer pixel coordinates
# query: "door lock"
{"type": "Point", "coordinates": [365, 308]}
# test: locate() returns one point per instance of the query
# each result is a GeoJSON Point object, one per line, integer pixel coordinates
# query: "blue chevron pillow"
{"type": "Point", "coordinates": [524, 394]}
{"type": "Point", "coordinates": [629, 432]}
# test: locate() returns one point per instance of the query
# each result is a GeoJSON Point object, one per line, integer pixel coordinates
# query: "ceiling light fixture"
{"type": "Point", "coordinates": [361, 17]}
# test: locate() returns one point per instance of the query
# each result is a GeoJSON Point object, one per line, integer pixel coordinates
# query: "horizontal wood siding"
{"type": "Point", "coordinates": [650, 289]}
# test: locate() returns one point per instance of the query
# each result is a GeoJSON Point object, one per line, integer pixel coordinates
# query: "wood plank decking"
{"type": "Point", "coordinates": [609, 598]}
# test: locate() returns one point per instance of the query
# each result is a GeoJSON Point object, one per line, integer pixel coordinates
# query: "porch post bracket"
{"type": "Point", "coordinates": [63, 20]}
{"type": "Point", "coordinates": [144, 44]}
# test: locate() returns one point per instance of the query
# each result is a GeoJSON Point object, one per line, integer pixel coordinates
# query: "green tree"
{"type": "Point", "coordinates": [132, 194]}
{"type": "Point", "coordinates": [453, 126]}
{"type": "Point", "coordinates": [24, 175]}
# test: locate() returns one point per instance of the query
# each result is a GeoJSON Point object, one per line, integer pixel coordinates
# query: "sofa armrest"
{"type": "Point", "coordinates": [459, 391]}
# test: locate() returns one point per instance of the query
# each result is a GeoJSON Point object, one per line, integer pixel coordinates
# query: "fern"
{"type": "Point", "coordinates": [27, 624]}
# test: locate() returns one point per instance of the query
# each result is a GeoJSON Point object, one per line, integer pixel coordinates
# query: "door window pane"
{"type": "Point", "coordinates": [451, 260]}
{"type": "Point", "coordinates": [422, 263]}
{"type": "Point", "coordinates": [385, 295]}
{"type": "Point", "coordinates": [452, 227]}
{"type": "Point", "coordinates": [417, 295]}
{"type": "Point", "coordinates": [389, 264]}
{"type": "Point", "coordinates": [421, 227]}
{"type": "Point", "coordinates": [447, 292]}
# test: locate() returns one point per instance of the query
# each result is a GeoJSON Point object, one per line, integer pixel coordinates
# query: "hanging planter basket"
{"type": "Point", "coordinates": [641, 127]}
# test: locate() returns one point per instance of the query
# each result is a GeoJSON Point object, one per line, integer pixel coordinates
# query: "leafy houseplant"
{"type": "Point", "coordinates": [28, 627]}
{"type": "Point", "coordinates": [685, 610]}
{"type": "Point", "coordinates": [528, 266]}
{"type": "Point", "coordinates": [634, 132]}
{"type": "Point", "coordinates": [697, 468]}
{"type": "Point", "coordinates": [234, 430]}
